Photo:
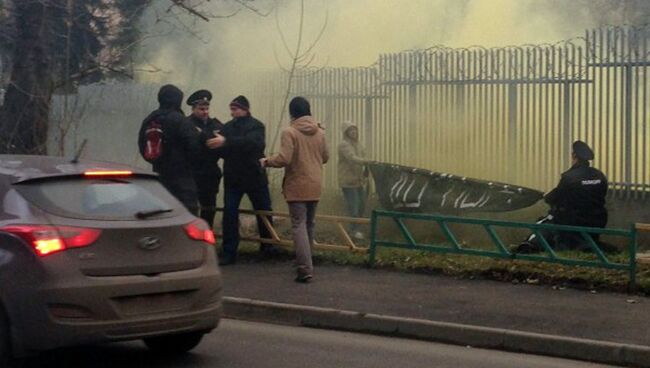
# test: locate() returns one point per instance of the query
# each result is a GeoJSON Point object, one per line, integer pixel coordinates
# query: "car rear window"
{"type": "Point", "coordinates": [101, 199]}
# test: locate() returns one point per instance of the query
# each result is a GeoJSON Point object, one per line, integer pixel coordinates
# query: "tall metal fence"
{"type": "Point", "coordinates": [507, 114]}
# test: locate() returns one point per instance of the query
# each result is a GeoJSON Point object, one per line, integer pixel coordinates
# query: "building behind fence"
{"type": "Point", "coordinates": [507, 114]}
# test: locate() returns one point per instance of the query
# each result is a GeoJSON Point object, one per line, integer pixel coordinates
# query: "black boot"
{"type": "Point", "coordinates": [271, 251]}
{"type": "Point", "coordinates": [227, 260]}
{"type": "Point", "coordinates": [528, 248]}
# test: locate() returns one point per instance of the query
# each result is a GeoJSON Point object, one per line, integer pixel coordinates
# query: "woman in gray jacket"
{"type": "Point", "coordinates": [353, 175]}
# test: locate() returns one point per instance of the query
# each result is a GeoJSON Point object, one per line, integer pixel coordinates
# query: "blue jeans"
{"type": "Point", "coordinates": [261, 200]}
{"type": "Point", "coordinates": [355, 200]}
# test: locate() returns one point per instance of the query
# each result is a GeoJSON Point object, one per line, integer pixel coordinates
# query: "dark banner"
{"type": "Point", "coordinates": [402, 188]}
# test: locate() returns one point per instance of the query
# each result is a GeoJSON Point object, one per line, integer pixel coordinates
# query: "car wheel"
{"type": "Point", "coordinates": [174, 344]}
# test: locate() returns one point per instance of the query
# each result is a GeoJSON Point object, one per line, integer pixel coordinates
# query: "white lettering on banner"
{"type": "Point", "coordinates": [444, 197]}
{"type": "Point", "coordinates": [400, 191]}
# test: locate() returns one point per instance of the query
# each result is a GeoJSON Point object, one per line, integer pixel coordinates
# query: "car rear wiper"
{"type": "Point", "coordinates": [117, 180]}
{"type": "Point", "coordinates": [146, 214]}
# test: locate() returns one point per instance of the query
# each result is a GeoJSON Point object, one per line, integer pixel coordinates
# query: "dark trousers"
{"type": "Point", "coordinates": [560, 240]}
{"type": "Point", "coordinates": [303, 215]}
{"type": "Point", "coordinates": [208, 187]}
{"type": "Point", "coordinates": [184, 189]}
{"type": "Point", "coordinates": [261, 200]}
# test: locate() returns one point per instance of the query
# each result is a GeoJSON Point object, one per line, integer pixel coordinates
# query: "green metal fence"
{"type": "Point", "coordinates": [500, 250]}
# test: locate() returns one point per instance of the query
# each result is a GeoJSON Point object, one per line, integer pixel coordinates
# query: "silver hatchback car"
{"type": "Point", "coordinates": [96, 252]}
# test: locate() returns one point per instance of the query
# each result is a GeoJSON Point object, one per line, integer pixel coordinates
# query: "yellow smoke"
{"type": "Point", "coordinates": [357, 32]}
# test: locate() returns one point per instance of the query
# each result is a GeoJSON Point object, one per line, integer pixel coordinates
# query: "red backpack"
{"type": "Point", "coordinates": [154, 140]}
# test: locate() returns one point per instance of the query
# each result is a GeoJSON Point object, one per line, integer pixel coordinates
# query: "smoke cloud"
{"type": "Point", "coordinates": [220, 53]}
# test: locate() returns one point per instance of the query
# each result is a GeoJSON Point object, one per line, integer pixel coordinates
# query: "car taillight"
{"type": "Point", "coordinates": [200, 230]}
{"type": "Point", "coordinates": [52, 239]}
{"type": "Point", "coordinates": [104, 173]}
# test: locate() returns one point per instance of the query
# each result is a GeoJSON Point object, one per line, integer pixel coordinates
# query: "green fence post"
{"type": "Point", "coordinates": [450, 236]}
{"type": "Point", "coordinates": [599, 253]}
{"type": "Point", "coordinates": [497, 241]}
{"type": "Point", "coordinates": [372, 252]}
{"type": "Point", "coordinates": [633, 245]}
{"type": "Point", "coordinates": [405, 232]}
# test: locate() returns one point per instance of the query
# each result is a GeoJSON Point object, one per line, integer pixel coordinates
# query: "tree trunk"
{"type": "Point", "coordinates": [25, 113]}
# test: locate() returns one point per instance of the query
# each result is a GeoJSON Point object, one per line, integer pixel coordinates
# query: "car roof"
{"type": "Point", "coordinates": [23, 168]}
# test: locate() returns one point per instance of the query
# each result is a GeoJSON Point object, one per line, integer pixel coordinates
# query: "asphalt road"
{"type": "Point", "coordinates": [249, 345]}
{"type": "Point", "coordinates": [531, 308]}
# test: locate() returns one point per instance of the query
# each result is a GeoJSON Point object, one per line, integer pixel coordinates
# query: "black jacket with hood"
{"type": "Point", "coordinates": [245, 145]}
{"type": "Point", "coordinates": [181, 140]}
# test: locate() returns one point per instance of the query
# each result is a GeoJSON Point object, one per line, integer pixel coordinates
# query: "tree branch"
{"type": "Point", "coordinates": [181, 4]}
{"type": "Point", "coordinates": [245, 4]}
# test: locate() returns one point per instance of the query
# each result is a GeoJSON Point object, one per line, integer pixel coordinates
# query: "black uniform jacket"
{"type": "Point", "coordinates": [579, 198]}
{"type": "Point", "coordinates": [206, 163]}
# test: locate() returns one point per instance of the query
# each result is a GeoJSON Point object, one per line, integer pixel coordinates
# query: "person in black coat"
{"type": "Point", "coordinates": [207, 173]}
{"type": "Point", "coordinates": [578, 200]}
{"type": "Point", "coordinates": [242, 144]}
{"type": "Point", "coordinates": [177, 142]}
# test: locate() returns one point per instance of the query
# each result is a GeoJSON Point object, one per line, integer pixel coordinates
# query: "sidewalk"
{"type": "Point", "coordinates": [617, 318]}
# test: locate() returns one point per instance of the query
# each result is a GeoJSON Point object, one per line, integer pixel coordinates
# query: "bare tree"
{"type": "Point", "coordinates": [55, 45]}
{"type": "Point", "coordinates": [301, 57]}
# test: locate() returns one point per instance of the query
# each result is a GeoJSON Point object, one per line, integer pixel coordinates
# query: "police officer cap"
{"type": "Point", "coordinates": [199, 96]}
{"type": "Point", "coordinates": [583, 151]}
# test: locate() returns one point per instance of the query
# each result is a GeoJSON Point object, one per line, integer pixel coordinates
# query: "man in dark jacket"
{"type": "Point", "coordinates": [578, 200]}
{"type": "Point", "coordinates": [176, 142]}
{"type": "Point", "coordinates": [207, 173]}
{"type": "Point", "coordinates": [241, 144]}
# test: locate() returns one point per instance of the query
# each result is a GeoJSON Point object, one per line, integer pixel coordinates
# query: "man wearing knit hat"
{"type": "Point", "coordinates": [578, 200]}
{"type": "Point", "coordinates": [241, 143]}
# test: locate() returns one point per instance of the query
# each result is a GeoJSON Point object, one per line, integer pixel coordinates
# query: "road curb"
{"type": "Point", "coordinates": [451, 333]}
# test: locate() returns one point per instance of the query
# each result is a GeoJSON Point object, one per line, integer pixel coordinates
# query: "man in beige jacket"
{"type": "Point", "coordinates": [303, 152]}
